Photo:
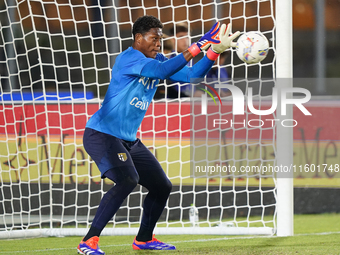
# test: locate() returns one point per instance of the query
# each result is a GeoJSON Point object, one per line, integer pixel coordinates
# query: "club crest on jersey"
{"type": "Point", "coordinates": [122, 156]}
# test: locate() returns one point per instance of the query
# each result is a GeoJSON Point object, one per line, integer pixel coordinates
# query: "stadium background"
{"type": "Point", "coordinates": [89, 22]}
{"type": "Point", "coordinates": [312, 195]}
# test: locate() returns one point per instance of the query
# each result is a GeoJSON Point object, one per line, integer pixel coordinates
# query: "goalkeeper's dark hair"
{"type": "Point", "coordinates": [143, 25]}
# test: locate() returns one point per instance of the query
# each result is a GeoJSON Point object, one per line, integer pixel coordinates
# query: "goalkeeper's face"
{"type": "Point", "coordinates": [150, 43]}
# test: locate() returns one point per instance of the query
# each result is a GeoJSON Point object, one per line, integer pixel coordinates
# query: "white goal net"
{"type": "Point", "coordinates": [55, 65]}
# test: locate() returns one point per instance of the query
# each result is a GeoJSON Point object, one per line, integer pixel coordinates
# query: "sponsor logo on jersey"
{"type": "Point", "coordinates": [122, 156]}
{"type": "Point", "coordinates": [148, 83]}
{"type": "Point", "coordinates": [143, 105]}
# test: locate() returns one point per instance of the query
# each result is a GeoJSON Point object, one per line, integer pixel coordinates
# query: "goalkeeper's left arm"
{"type": "Point", "coordinates": [202, 67]}
{"type": "Point", "coordinates": [169, 67]}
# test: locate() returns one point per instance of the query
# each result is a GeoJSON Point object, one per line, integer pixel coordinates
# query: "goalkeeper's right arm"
{"type": "Point", "coordinates": [201, 68]}
{"type": "Point", "coordinates": [163, 70]}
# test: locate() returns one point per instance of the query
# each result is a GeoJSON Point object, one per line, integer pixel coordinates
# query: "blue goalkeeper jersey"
{"type": "Point", "coordinates": [132, 89]}
{"type": "Point", "coordinates": [127, 98]}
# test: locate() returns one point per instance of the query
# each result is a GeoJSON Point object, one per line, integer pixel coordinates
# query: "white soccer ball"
{"type": "Point", "coordinates": [252, 47]}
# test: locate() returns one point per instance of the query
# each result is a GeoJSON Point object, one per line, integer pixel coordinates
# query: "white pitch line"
{"type": "Point", "coordinates": [176, 242]}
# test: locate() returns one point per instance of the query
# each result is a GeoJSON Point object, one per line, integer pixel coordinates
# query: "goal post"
{"type": "Point", "coordinates": [284, 74]}
{"type": "Point", "coordinates": [55, 66]}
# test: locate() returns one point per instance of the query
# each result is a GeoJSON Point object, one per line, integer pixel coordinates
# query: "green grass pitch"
{"type": "Point", "coordinates": [313, 234]}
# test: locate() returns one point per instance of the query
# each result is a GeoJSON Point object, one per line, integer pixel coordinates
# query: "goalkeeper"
{"type": "Point", "coordinates": [110, 134]}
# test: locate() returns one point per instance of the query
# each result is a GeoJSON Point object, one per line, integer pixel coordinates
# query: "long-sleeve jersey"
{"type": "Point", "coordinates": [132, 87]}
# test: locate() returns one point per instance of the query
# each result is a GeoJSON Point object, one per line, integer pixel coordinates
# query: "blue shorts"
{"type": "Point", "coordinates": [127, 163]}
{"type": "Point", "coordinates": [110, 152]}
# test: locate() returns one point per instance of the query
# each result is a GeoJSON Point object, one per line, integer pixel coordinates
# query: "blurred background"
{"type": "Point", "coordinates": [75, 36]}
{"type": "Point", "coordinates": [69, 46]}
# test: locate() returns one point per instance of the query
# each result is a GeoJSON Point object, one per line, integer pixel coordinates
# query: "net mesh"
{"type": "Point", "coordinates": [56, 57]}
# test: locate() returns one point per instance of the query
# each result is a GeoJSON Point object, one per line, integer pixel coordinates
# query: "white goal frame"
{"type": "Point", "coordinates": [284, 69]}
{"type": "Point", "coordinates": [284, 157]}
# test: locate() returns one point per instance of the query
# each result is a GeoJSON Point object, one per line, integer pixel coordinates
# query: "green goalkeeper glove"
{"type": "Point", "coordinates": [226, 40]}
